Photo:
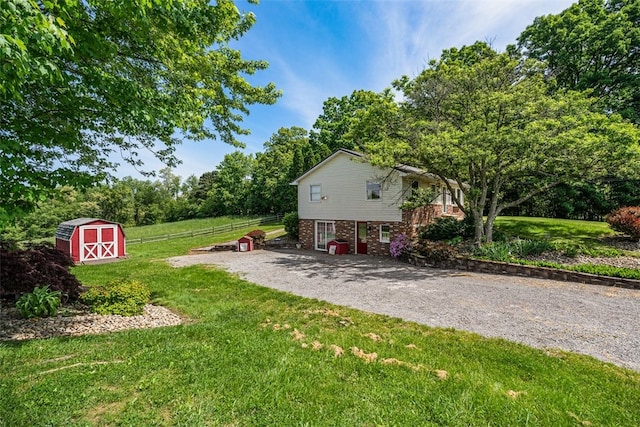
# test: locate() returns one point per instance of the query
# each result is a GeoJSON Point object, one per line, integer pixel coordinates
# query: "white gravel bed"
{"type": "Point", "coordinates": [595, 320]}
{"type": "Point", "coordinates": [12, 327]}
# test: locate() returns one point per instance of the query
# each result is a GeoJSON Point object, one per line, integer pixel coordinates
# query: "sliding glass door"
{"type": "Point", "coordinates": [325, 232]}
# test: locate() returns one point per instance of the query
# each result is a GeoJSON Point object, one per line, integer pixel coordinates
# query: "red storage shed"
{"type": "Point", "coordinates": [245, 244]}
{"type": "Point", "coordinates": [91, 239]}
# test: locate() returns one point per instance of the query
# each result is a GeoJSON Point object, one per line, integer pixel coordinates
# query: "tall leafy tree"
{"type": "Point", "coordinates": [230, 192]}
{"type": "Point", "coordinates": [84, 79]}
{"type": "Point", "coordinates": [491, 120]}
{"type": "Point", "coordinates": [331, 127]}
{"type": "Point", "coordinates": [149, 201]}
{"type": "Point", "coordinates": [594, 44]}
{"type": "Point", "coordinates": [171, 183]}
{"type": "Point", "coordinates": [115, 201]}
{"type": "Point", "coordinates": [199, 195]}
{"type": "Point", "coordinates": [66, 203]}
{"type": "Point", "coordinates": [275, 168]}
{"type": "Point", "coordinates": [184, 206]}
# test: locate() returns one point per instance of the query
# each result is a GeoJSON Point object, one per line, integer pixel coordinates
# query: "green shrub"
{"type": "Point", "coordinates": [447, 228]}
{"type": "Point", "coordinates": [607, 270]}
{"type": "Point", "coordinates": [292, 225]}
{"type": "Point", "coordinates": [42, 302]}
{"type": "Point", "coordinates": [123, 297]}
{"type": "Point", "coordinates": [571, 251]}
{"type": "Point", "coordinates": [601, 252]}
{"type": "Point", "coordinates": [525, 248]}
{"type": "Point", "coordinates": [505, 251]}
{"type": "Point", "coordinates": [496, 251]}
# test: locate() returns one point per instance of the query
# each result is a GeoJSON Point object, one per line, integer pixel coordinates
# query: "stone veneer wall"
{"type": "Point", "coordinates": [494, 267]}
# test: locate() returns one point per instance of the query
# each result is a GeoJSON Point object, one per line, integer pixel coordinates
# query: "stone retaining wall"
{"type": "Point", "coordinates": [494, 267]}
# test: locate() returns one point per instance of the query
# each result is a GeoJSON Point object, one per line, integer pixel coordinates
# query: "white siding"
{"type": "Point", "coordinates": [344, 192]}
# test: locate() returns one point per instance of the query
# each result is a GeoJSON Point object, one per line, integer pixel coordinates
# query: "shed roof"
{"type": "Point", "coordinates": [65, 229]}
{"type": "Point", "coordinates": [82, 221]}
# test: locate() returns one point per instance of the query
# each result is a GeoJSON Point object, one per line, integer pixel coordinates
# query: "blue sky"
{"type": "Point", "coordinates": [328, 48]}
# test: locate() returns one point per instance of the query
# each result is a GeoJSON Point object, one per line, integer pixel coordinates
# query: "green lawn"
{"type": "Point", "coordinates": [254, 356]}
{"type": "Point", "coordinates": [183, 226]}
{"type": "Point", "coordinates": [562, 231]}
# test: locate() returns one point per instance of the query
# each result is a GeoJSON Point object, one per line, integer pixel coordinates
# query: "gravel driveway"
{"type": "Point", "coordinates": [599, 321]}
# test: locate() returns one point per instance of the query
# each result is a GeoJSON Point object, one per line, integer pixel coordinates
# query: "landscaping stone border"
{"type": "Point", "coordinates": [495, 267]}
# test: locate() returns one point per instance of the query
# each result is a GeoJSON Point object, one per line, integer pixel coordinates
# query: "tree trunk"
{"type": "Point", "coordinates": [488, 227]}
{"type": "Point", "coordinates": [479, 227]}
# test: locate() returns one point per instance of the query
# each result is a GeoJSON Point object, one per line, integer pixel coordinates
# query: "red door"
{"type": "Point", "coordinates": [89, 244]}
{"type": "Point", "coordinates": [98, 242]}
{"type": "Point", "coordinates": [108, 242]}
{"type": "Point", "coordinates": [361, 244]}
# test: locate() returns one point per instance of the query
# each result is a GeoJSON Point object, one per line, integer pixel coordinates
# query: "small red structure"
{"type": "Point", "coordinates": [91, 239]}
{"type": "Point", "coordinates": [338, 247]}
{"type": "Point", "coordinates": [245, 244]}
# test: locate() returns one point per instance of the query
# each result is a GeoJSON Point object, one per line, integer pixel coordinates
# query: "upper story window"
{"type": "Point", "coordinates": [374, 190]}
{"type": "Point", "coordinates": [415, 186]}
{"type": "Point", "coordinates": [315, 193]}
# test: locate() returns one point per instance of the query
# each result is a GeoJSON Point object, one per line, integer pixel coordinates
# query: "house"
{"type": "Point", "coordinates": [91, 239]}
{"type": "Point", "coordinates": [346, 198]}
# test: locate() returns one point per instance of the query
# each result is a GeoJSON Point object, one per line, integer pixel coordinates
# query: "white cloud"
{"type": "Point", "coordinates": [323, 49]}
{"type": "Point", "coordinates": [405, 35]}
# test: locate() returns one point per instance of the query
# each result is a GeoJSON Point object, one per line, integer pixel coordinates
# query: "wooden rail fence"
{"type": "Point", "coordinates": [210, 231]}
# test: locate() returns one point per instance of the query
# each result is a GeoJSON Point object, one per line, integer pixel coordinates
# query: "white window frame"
{"type": "Point", "coordinates": [312, 193]}
{"type": "Point", "coordinates": [382, 233]}
{"type": "Point", "coordinates": [371, 192]}
{"type": "Point", "coordinates": [322, 232]}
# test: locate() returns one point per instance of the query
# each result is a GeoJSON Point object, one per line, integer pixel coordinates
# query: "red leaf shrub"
{"type": "Point", "coordinates": [22, 270]}
{"type": "Point", "coordinates": [626, 221]}
{"type": "Point", "coordinates": [257, 233]}
{"type": "Point", "coordinates": [258, 237]}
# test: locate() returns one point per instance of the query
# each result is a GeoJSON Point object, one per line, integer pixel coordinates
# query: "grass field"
{"type": "Point", "coordinates": [562, 231]}
{"type": "Point", "coordinates": [249, 355]}
{"type": "Point", "coordinates": [183, 226]}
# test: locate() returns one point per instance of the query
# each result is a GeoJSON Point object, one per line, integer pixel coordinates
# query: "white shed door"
{"type": "Point", "coordinates": [98, 242]}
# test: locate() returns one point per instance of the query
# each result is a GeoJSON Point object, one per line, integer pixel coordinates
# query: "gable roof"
{"type": "Point", "coordinates": [81, 221]}
{"type": "Point", "coordinates": [66, 228]}
{"type": "Point", "coordinates": [402, 168]}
